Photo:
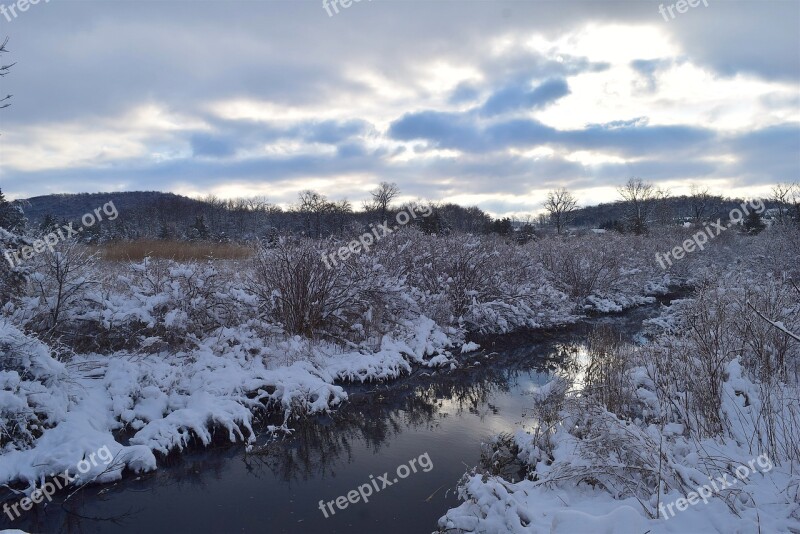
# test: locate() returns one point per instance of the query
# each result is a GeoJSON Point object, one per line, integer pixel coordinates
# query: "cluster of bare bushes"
{"type": "Point", "coordinates": [73, 299]}
{"type": "Point", "coordinates": [608, 265]}
{"type": "Point", "coordinates": [353, 303]}
{"type": "Point", "coordinates": [466, 282]}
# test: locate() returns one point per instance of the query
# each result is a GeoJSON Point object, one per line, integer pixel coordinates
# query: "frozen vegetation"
{"type": "Point", "coordinates": [150, 358]}
{"type": "Point", "coordinates": [162, 356]}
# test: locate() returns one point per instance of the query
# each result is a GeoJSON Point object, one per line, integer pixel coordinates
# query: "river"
{"type": "Point", "coordinates": [278, 486]}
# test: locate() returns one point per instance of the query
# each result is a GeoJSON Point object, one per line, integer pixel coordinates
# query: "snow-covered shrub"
{"type": "Point", "coordinates": [482, 283]}
{"type": "Point", "coordinates": [58, 289]}
{"type": "Point", "coordinates": [607, 272]}
{"type": "Point", "coordinates": [147, 305]}
{"type": "Point", "coordinates": [296, 289]}
{"type": "Point", "coordinates": [708, 332]}
{"type": "Point", "coordinates": [166, 302]}
{"type": "Point", "coordinates": [776, 251]}
{"type": "Point", "coordinates": [606, 375]}
{"type": "Point", "coordinates": [31, 396]}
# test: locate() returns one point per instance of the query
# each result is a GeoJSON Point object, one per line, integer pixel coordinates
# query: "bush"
{"type": "Point", "coordinates": [295, 288]}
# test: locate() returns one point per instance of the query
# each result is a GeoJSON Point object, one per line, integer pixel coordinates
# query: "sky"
{"type": "Point", "coordinates": [487, 103]}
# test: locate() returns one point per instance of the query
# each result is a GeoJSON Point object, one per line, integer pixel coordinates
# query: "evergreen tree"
{"type": "Point", "coordinates": [11, 217]}
{"type": "Point", "coordinates": [502, 226]}
{"type": "Point", "coordinates": [753, 223]}
{"type": "Point", "coordinates": [48, 224]}
{"type": "Point", "coordinates": [199, 227]}
{"type": "Point", "coordinates": [614, 224]}
{"type": "Point", "coordinates": [12, 272]}
{"type": "Point", "coordinates": [526, 234]}
{"type": "Point", "coordinates": [164, 232]}
{"type": "Point", "coordinates": [432, 224]}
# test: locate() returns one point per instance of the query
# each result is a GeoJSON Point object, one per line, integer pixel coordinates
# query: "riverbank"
{"type": "Point", "coordinates": [445, 412]}
{"type": "Point", "coordinates": [253, 398]}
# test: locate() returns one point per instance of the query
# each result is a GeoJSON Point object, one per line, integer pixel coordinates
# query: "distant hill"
{"type": "Point", "coordinates": [72, 207]}
{"type": "Point", "coordinates": [671, 208]}
{"type": "Point", "coordinates": [152, 214]}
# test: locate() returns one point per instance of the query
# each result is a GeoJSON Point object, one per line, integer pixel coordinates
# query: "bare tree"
{"type": "Point", "coordinates": [699, 200]}
{"type": "Point", "coordinates": [640, 196]}
{"type": "Point", "coordinates": [3, 71]}
{"type": "Point", "coordinates": [313, 206]}
{"type": "Point", "coordinates": [382, 197]}
{"type": "Point", "coordinates": [64, 280]}
{"type": "Point", "coordinates": [782, 194]}
{"type": "Point", "coordinates": [341, 210]}
{"type": "Point", "coordinates": [560, 204]}
{"type": "Point", "coordinates": [662, 207]}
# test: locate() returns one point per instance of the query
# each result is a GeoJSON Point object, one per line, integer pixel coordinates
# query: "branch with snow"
{"type": "Point", "coordinates": [777, 324]}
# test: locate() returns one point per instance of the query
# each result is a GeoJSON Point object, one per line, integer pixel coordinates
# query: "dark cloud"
{"type": "Point", "coordinates": [444, 129]}
{"type": "Point", "coordinates": [465, 131]}
{"type": "Point", "coordinates": [216, 146]}
{"type": "Point", "coordinates": [332, 132]}
{"type": "Point", "coordinates": [520, 96]}
{"type": "Point", "coordinates": [743, 37]}
{"type": "Point", "coordinates": [465, 92]}
{"type": "Point", "coordinates": [768, 155]}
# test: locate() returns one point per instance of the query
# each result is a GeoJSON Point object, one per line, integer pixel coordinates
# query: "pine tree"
{"type": "Point", "coordinates": [11, 217]}
{"type": "Point", "coordinates": [12, 274]}
{"type": "Point", "coordinates": [164, 232]}
{"type": "Point", "coordinates": [48, 224]}
{"type": "Point", "coordinates": [432, 224]}
{"type": "Point", "coordinates": [753, 223]}
{"type": "Point", "coordinates": [200, 228]}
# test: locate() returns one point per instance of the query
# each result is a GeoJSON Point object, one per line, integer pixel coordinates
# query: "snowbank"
{"type": "Point", "coordinates": [171, 401]}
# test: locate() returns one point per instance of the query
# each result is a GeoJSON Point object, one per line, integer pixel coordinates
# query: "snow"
{"type": "Point", "coordinates": [172, 401]}
{"type": "Point", "coordinates": [469, 347]}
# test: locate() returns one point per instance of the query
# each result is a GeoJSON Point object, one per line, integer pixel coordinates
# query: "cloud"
{"type": "Point", "coordinates": [332, 132]}
{"type": "Point", "coordinates": [466, 131]}
{"type": "Point", "coordinates": [767, 155]}
{"type": "Point", "coordinates": [487, 98]}
{"type": "Point", "coordinates": [519, 96]}
{"type": "Point", "coordinates": [204, 144]}
{"type": "Point", "coordinates": [443, 129]}
{"type": "Point", "coordinates": [648, 68]}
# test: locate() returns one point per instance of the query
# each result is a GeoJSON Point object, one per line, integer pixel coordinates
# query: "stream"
{"type": "Point", "coordinates": [278, 486]}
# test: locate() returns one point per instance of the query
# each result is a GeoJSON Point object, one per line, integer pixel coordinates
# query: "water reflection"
{"type": "Point", "coordinates": [319, 447]}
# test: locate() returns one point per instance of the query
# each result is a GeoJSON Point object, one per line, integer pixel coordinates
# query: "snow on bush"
{"type": "Point", "coordinates": [32, 397]}
{"type": "Point", "coordinates": [605, 273]}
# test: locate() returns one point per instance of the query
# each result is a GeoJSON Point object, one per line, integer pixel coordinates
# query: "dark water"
{"type": "Point", "coordinates": [444, 414]}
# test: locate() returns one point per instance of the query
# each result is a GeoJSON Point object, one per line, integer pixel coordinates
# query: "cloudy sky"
{"type": "Point", "coordinates": [476, 102]}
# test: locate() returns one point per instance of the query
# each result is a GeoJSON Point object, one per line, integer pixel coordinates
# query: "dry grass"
{"type": "Point", "coordinates": [173, 250]}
